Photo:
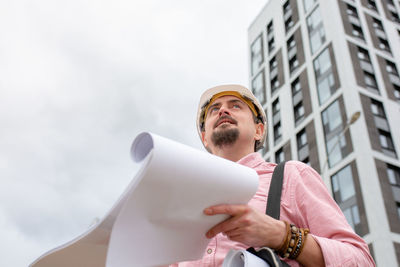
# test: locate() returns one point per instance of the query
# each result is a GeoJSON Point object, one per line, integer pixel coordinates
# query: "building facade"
{"type": "Point", "coordinates": [327, 74]}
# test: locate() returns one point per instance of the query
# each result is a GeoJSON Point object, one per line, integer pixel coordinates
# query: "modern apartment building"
{"type": "Point", "coordinates": [327, 74]}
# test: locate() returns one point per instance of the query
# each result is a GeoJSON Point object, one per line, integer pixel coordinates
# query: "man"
{"type": "Point", "coordinates": [232, 124]}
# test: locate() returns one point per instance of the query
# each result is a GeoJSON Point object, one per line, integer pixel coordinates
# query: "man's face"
{"type": "Point", "coordinates": [229, 120]}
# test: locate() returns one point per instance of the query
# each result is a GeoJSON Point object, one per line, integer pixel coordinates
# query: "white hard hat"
{"type": "Point", "coordinates": [230, 89]}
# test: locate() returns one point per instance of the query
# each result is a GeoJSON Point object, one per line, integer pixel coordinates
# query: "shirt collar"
{"type": "Point", "coordinates": [251, 160]}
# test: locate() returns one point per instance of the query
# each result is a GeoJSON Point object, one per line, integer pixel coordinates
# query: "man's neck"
{"type": "Point", "coordinates": [233, 153]}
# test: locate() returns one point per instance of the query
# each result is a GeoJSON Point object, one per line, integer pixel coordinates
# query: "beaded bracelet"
{"type": "Point", "coordinates": [285, 242]}
{"type": "Point", "coordinates": [293, 243]}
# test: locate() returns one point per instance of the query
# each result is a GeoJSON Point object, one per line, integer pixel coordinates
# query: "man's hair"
{"type": "Point", "coordinates": [258, 144]}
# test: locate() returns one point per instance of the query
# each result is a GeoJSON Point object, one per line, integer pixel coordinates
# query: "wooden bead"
{"type": "Point", "coordinates": [286, 255]}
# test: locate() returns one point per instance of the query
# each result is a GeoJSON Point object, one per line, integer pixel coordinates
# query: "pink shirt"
{"type": "Point", "coordinates": [305, 202]}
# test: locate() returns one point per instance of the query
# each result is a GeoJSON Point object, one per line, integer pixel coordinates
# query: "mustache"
{"type": "Point", "coordinates": [225, 117]}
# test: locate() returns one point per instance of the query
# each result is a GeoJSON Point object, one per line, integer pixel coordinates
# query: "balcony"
{"type": "Point", "coordinates": [292, 52]}
{"type": "Point", "coordinates": [355, 21]}
{"type": "Point", "coordinates": [394, 79]}
{"type": "Point", "coordinates": [381, 34]}
{"type": "Point", "coordinates": [381, 123]}
{"type": "Point", "coordinates": [273, 73]}
{"type": "Point", "coordinates": [288, 13]}
{"type": "Point", "coordinates": [367, 66]}
{"type": "Point", "coordinates": [297, 98]}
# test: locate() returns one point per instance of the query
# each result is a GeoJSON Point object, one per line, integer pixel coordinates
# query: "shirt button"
{"type": "Point", "coordinates": [209, 251]}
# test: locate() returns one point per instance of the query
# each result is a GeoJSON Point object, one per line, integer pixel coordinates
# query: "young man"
{"type": "Point", "coordinates": [232, 124]}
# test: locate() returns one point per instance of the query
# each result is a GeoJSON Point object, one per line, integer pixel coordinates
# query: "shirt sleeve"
{"type": "Point", "coordinates": [340, 245]}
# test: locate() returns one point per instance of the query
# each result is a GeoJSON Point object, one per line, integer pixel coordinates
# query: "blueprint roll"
{"type": "Point", "coordinates": [165, 211]}
{"type": "Point", "coordinates": [159, 218]}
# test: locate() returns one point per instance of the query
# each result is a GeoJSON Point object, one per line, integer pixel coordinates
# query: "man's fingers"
{"type": "Point", "coordinates": [222, 227]}
{"type": "Point", "coordinates": [232, 210]}
{"type": "Point", "coordinates": [235, 211]}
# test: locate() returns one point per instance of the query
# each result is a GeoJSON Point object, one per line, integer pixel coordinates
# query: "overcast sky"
{"type": "Point", "coordinates": [79, 79]}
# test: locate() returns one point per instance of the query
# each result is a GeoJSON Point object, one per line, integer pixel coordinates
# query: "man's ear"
{"type": "Point", "coordinates": [203, 138]}
{"type": "Point", "coordinates": [259, 131]}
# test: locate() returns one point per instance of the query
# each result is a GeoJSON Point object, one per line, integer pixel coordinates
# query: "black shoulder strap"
{"type": "Point", "coordinates": [275, 192]}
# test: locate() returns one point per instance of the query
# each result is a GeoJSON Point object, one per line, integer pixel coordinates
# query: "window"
{"type": "Point", "coordinates": [307, 161]}
{"type": "Point", "coordinates": [332, 118]}
{"type": "Point", "coordinates": [377, 108]}
{"type": "Point", "coordinates": [291, 43]}
{"type": "Point", "coordinates": [372, 5]}
{"type": "Point", "coordinates": [336, 145]}
{"type": "Point", "coordinates": [270, 37]}
{"type": "Point", "coordinates": [384, 45]}
{"type": "Point", "coordinates": [396, 92]}
{"type": "Point", "coordinates": [289, 24]}
{"type": "Point", "coordinates": [296, 86]}
{"type": "Point", "coordinates": [392, 12]}
{"type": "Point", "coordinates": [308, 4]}
{"type": "Point", "coordinates": [391, 68]}
{"type": "Point", "coordinates": [343, 185]}
{"type": "Point", "coordinates": [302, 146]}
{"type": "Point", "coordinates": [336, 149]}
{"type": "Point", "coordinates": [352, 216]}
{"type": "Point", "coordinates": [363, 54]}
{"type": "Point", "coordinates": [271, 45]}
{"type": "Point", "coordinates": [273, 73]}
{"type": "Point", "coordinates": [276, 107]}
{"type": "Point", "coordinates": [377, 24]}
{"type": "Point", "coordinates": [277, 132]}
{"type": "Point", "coordinates": [316, 30]}
{"type": "Point", "coordinates": [345, 195]}
{"type": "Point", "coordinates": [274, 84]}
{"type": "Point", "coordinates": [323, 63]}
{"type": "Point", "coordinates": [354, 21]}
{"type": "Point", "coordinates": [258, 87]}
{"type": "Point", "coordinates": [393, 174]}
{"type": "Point", "coordinates": [398, 208]}
{"type": "Point", "coordinates": [293, 64]}
{"type": "Point", "coordinates": [326, 83]}
{"type": "Point", "coordinates": [370, 81]}
{"type": "Point", "coordinates": [379, 129]}
{"type": "Point", "coordinates": [276, 120]}
{"type": "Point", "coordinates": [292, 54]}
{"type": "Point", "coordinates": [287, 15]}
{"type": "Point", "coordinates": [299, 112]}
{"type": "Point", "coordinates": [351, 11]}
{"type": "Point", "coordinates": [395, 16]}
{"type": "Point", "coordinates": [357, 31]}
{"type": "Point", "coordinates": [385, 140]}
{"type": "Point", "coordinates": [301, 139]}
{"type": "Point", "coordinates": [279, 156]}
{"type": "Point", "coordinates": [257, 54]}
{"type": "Point", "coordinates": [273, 64]}
{"type": "Point", "coordinates": [381, 37]}
{"type": "Point", "coordinates": [286, 7]}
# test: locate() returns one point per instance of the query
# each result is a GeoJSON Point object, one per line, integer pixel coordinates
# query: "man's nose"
{"type": "Point", "coordinates": [223, 111]}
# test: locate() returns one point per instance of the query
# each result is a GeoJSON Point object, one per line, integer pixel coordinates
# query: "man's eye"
{"type": "Point", "coordinates": [213, 109]}
{"type": "Point", "coordinates": [236, 106]}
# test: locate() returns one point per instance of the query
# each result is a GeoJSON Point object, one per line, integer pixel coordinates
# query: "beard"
{"type": "Point", "coordinates": [225, 137]}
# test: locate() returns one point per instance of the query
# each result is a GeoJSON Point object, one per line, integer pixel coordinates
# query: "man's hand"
{"type": "Point", "coordinates": [247, 226]}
